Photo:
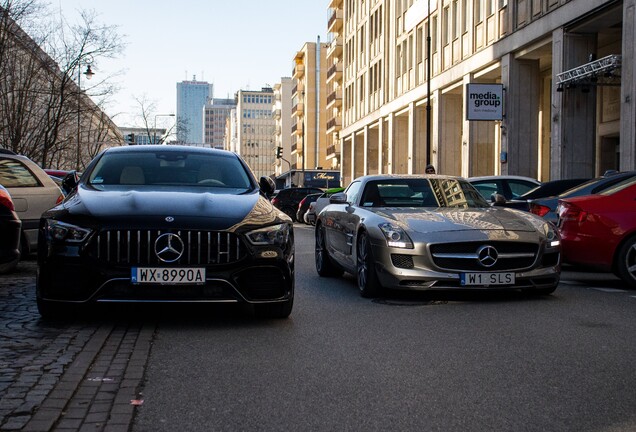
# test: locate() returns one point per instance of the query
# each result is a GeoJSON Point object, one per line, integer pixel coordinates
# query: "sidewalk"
{"type": "Point", "coordinates": [76, 376]}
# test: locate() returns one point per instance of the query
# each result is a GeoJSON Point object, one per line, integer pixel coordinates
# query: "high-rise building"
{"type": "Point", "coordinates": [255, 130]}
{"type": "Point", "coordinates": [192, 96]}
{"type": "Point", "coordinates": [309, 98]}
{"type": "Point", "coordinates": [215, 118]}
{"type": "Point", "coordinates": [281, 112]}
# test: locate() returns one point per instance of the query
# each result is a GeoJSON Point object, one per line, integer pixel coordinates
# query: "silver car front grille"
{"type": "Point", "coordinates": [466, 256]}
{"type": "Point", "coordinates": [138, 247]}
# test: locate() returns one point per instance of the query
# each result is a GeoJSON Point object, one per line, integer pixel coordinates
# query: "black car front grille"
{"type": "Point", "coordinates": [462, 256]}
{"type": "Point", "coordinates": [137, 247]}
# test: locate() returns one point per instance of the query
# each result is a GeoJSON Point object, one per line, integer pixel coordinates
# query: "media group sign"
{"type": "Point", "coordinates": [484, 101]}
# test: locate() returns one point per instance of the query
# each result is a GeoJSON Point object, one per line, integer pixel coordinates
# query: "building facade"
{"type": "Point", "coordinates": [255, 126]}
{"type": "Point", "coordinates": [309, 112]}
{"type": "Point", "coordinates": [565, 67]}
{"type": "Point", "coordinates": [216, 113]}
{"type": "Point", "coordinates": [192, 97]}
{"type": "Point", "coordinates": [281, 111]}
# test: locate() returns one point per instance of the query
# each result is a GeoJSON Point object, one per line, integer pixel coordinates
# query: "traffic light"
{"type": "Point", "coordinates": [279, 152]}
{"type": "Point", "coordinates": [130, 138]}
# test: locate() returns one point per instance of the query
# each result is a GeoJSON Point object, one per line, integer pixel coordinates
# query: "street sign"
{"type": "Point", "coordinates": [484, 101]}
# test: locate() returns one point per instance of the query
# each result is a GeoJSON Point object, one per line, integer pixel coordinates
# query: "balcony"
{"type": "Point", "coordinates": [335, 4]}
{"type": "Point", "coordinates": [332, 151]}
{"type": "Point", "coordinates": [333, 124]}
{"type": "Point", "coordinates": [297, 128]}
{"type": "Point", "coordinates": [299, 70]}
{"type": "Point", "coordinates": [298, 88]}
{"type": "Point", "coordinates": [335, 49]}
{"type": "Point", "coordinates": [334, 98]}
{"type": "Point", "coordinates": [276, 113]}
{"type": "Point", "coordinates": [334, 72]}
{"type": "Point", "coordinates": [298, 109]}
{"type": "Point", "coordinates": [334, 24]}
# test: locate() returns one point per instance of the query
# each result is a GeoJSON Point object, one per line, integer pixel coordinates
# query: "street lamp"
{"type": "Point", "coordinates": [89, 74]}
{"type": "Point", "coordinates": [154, 139]}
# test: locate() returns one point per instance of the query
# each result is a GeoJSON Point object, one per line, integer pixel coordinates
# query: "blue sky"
{"type": "Point", "coordinates": [236, 44]}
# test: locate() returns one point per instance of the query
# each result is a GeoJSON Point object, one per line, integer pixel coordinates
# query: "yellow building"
{"type": "Point", "coordinates": [565, 69]}
{"type": "Point", "coordinates": [308, 109]}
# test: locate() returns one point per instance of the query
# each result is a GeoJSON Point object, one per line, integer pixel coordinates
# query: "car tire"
{"type": "Point", "coordinates": [366, 276]}
{"type": "Point", "coordinates": [626, 262]}
{"type": "Point", "coordinates": [9, 267]}
{"type": "Point", "coordinates": [274, 310]}
{"type": "Point", "coordinates": [324, 265]}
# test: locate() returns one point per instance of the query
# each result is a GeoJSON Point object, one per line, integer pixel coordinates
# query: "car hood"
{"type": "Point", "coordinates": [453, 219]}
{"type": "Point", "coordinates": [151, 208]}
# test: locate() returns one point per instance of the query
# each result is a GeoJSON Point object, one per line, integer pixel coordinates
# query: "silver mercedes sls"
{"type": "Point", "coordinates": [433, 232]}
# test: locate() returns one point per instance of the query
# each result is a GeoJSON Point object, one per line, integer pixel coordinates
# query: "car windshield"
{"type": "Point", "coordinates": [167, 169]}
{"type": "Point", "coordinates": [429, 192]}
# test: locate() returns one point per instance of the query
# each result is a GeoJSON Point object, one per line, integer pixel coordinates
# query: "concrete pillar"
{"type": "Point", "coordinates": [520, 128]}
{"type": "Point", "coordinates": [628, 88]}
{"type": "Point", "coordinates": [574, 112]}
{"type": "Point", "coordinates": [410, 144]}
{"type": "Point", "coordinates": [450, 129]}
{"type": "Point", "coordinates": [390, 142]}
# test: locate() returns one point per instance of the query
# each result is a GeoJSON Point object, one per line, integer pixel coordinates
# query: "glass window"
{"type": "Point", "coordinates": [14, 173]}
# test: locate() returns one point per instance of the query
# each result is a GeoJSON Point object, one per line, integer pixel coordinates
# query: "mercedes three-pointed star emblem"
{"type": "Point", "coordinates": [169, 247]}
{"type": "Point", "coordinates": [487, 255]}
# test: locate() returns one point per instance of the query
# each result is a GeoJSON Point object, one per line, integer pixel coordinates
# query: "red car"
{"type": "Point", "coordinates": [599, 231]}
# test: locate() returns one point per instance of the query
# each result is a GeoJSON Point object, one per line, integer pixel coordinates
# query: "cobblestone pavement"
{"type": "Point", "coordinates": [80, 375]}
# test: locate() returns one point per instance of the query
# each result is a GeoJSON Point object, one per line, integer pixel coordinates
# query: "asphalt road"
{"type": "Point", "coordinates": [426, 362]}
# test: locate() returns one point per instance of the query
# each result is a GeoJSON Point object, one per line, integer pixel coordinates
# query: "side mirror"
{"type": "Point", "coordinates": [70, 181]}
{"type": "Point", "coordinates": [498, 199]}
{"type": "Point", "coordinates": [267, 185]}
{"type": "Point", "coordinates": [338, 198]}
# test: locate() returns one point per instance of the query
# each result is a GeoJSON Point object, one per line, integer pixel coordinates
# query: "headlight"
{"type": "Point", "coordinates": [276, 235]}
{"type": "Point", "coordinates": [395, 236]}
{"type": "Point", "coordinates": [552, 235]}
{"type": "Point", "coordinates": [60, 231]}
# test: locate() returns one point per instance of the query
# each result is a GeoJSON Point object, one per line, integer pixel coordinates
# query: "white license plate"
{"type": "Point", "coordinates": [172, 276]}
{"type": "Point", "coordinates": [486, 279]}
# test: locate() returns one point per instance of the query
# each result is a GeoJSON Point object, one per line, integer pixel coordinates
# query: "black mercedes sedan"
{"type": "Point", "coordinates": [166, 224]}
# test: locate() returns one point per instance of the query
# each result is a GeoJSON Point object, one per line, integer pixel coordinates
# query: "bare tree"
{"type": "Point", "coordinates": [147, 117]}
{"type": "Point", "coordinates": [44, 114]}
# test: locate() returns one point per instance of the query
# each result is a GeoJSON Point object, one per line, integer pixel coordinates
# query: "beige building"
{"type": "Point", "coordinates": [281, 111]}
{"type": "Point", "coordinates": [254, 130]}
{"type": "Point", "coordinates": [565, 69]}
{"type": "Point", "coordinates": [308, 112]}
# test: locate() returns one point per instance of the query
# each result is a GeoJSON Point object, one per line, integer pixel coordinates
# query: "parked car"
{"type": "Point", "coordinates": [547, 189]}
{"type": "Point", "coordinates": [303, 206]}
{"type": "Point", "coordinates": [432, 233]}
{"type": "Point", "coordinates": [319, 204]}
{"type": "Point", "coordinates": [599, 231]}
{"type": "Point", "coordinates": [288, 199]}
{"type": "Point", "coordinates": [510, 186]}
{"type": "Point", "coordinates": [166, 224]}
{"type": "Point", "coordinates": [33, 192]}
{"type": "Point", "coordinates": [10, 228]}
{"type": "Point", "coordinates": [546, 207]}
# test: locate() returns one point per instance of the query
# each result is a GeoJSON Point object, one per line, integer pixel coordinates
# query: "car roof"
{"type": "Point", "coordinates": [504, 177]}
{"type": "Point", "coordinates": [167, 148]}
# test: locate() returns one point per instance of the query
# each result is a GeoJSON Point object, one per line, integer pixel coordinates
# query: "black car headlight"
{"type": "Point", "coordinates": [273, 235]}
{"type": "Point", "coordinates": [395, 236]}
{"type": "Point", "coordinates": [64, 232]}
